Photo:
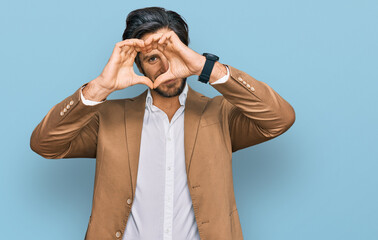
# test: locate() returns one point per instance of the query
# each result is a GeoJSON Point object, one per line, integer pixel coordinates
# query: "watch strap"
{"type": "Point", "coordinates": [208, 67]}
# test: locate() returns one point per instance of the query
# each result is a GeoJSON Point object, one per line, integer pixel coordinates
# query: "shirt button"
{"type": "Point", "coordinates": [167, 230]}
{"type": "Point", "coordinates": [118, 234]}
{"type": "Point", "coordinates": [129, 201]}
{"type": "Point", "coordinates": [169, 168]}
{"type": "Point", "coordinates": [168, 138]}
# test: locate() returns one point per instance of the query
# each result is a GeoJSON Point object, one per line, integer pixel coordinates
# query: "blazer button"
{"type": "Point", "coordinates": [129, 201]}
{"type": "Point", "coordinates": [252, 88]}
{"type": "Point", "coordinates": [71, 102]}
{"type": "Point", "coordinates": [240, 79]}
{"type": "Point", "coordinates": [65, 110]}
{"type": "Point", "coordinates": [118, 234]}
{"type": "Point", "coordinates": [68, 106]}
{"type": "Point", "coordinates": [61, 113]}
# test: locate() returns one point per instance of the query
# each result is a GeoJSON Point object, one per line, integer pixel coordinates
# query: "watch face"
{"type": "Point", "coordinates": [211, 56]}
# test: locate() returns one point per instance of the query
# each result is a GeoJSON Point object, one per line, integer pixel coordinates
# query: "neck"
{"type": "Point", "coordinates": [168, 105]}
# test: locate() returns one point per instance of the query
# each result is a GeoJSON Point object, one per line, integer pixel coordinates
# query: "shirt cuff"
{"type": "Point", "coordinates": [223, 79]}
{"type": "Point", "coordinates": [88, 102]}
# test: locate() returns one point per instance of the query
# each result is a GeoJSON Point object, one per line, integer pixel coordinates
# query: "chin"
{"type": "Point", "coordinates": [171, 89]}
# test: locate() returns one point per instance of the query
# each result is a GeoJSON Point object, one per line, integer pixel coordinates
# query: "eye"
{"type": "Point", "coordinates": [151, 58]}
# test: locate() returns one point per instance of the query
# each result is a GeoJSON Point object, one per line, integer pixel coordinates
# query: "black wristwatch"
{"type": "Point", "coordinates": [208, 67]}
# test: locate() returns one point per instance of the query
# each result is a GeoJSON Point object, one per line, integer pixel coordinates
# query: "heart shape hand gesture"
{"type": "Point", "coordinates": [183, 61]}
{"type": "Point", "coordinates": [119, 73]}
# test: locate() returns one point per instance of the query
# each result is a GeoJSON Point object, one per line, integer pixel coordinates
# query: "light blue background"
{"type": "Point", "coordinates": [316, 181]}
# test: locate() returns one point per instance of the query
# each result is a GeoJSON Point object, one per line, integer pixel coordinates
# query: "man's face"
{"type": "Point", "coordinates": [154, 63]}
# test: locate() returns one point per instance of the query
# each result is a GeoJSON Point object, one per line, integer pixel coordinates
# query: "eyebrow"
{"type": "Point", "coordinates": [148, 56]}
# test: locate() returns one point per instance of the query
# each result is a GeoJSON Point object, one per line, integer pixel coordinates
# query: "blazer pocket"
{"type": "Point", "coordinates": [208, 121]}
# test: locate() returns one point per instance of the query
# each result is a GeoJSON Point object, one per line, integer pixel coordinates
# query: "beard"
{"type": "Point", "coordinates": [171, 91]}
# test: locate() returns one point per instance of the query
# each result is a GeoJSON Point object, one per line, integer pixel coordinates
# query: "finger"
{"type": "Point", "coordinates": [155, 42]}
{"type": "Point", "coordinates": [163, 78]}
{"type": "Point", "coordinates": [151, 41]}
{"type": "Point", "coordinates": [129, 56]}
{"type": "Point", "coordinates": [148, 82]}
{"type": "Point", "coordinates": [174, 40]}
{"type": "Point", "coordinates": [131, 41]}
{"type": "Point", "coordinates": [172, 36]}
{"type": "Point", "coordinates": [135, 43]}
{"type": "Point", "coordinates": [140, 48]}
{"type": "Point", "coordinates": [162, 47]}
{"type": "Point", "coordinates": [159, 80]}
{"type": "Point", "coordinates": [166, 38]}
{"type": "Point", "coordinates": [145, 80]}
{"type": "Point", "coordinates": [129, 51]}
{"type": "Point", "coordinates": [148, 41]}
{"type": "Point", "coordinates": [162, 43]}
{"type": "Point", "coordinates": [162, 39]}
{"type": "Point", "coordinates": [125, 47]}
{"type": "Point", "coordinates": [132, 54]}
{"type": "Point", "coordinates": [124, 51]}
{"type": "Point", "coordinates": [140, 42]}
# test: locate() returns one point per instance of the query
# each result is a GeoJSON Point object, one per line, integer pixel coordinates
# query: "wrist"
{"type": "Point", "coordinates": [93, 91]}
{"type": "Point", "coordinates": [201, 60]}
{"type": "Point", "coordinates": [219, 71]}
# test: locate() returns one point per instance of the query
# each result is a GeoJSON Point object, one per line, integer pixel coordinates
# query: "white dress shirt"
{"type": "Point", "coordinates": [162, 208]}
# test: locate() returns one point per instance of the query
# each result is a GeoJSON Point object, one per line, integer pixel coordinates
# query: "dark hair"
{"type": "Point", "coordinates": [151, 19]}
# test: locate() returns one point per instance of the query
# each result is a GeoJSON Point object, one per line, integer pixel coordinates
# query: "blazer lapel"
{"type": "Point", "coordinates": [134, 114]}
{"type": "Point", "coordinates": [194, 106]}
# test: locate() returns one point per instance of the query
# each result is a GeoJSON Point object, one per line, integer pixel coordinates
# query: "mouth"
{"type": "Point", "coordinates": [170, 81]}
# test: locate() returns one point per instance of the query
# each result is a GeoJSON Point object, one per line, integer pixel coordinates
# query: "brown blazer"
{"type": "Point", "coordinates": [247, 113]}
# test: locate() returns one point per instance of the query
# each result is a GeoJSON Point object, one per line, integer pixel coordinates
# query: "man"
{"type": "Point", "coordinates": [164, 158]}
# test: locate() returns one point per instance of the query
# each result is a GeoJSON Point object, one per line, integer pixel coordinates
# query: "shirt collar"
{"type": "Point", "coordinates": [182, 97]}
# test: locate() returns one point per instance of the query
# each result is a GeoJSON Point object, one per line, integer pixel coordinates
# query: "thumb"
{"type": "Point", "coordinates": [145, 80]}
{"type": "Point", "coordinates": [163, 78]}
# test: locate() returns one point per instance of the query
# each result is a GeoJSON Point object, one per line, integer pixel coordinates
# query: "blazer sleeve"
{"type": "Point", "coordinates": [69, 130]}
{"type": "Point", "coordinates": [254, 111]}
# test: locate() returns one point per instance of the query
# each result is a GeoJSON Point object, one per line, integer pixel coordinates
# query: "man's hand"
{"type": "Point", "coordinates": [118, 72]}
{"type": "Point", "coordinates": [183, 61]}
